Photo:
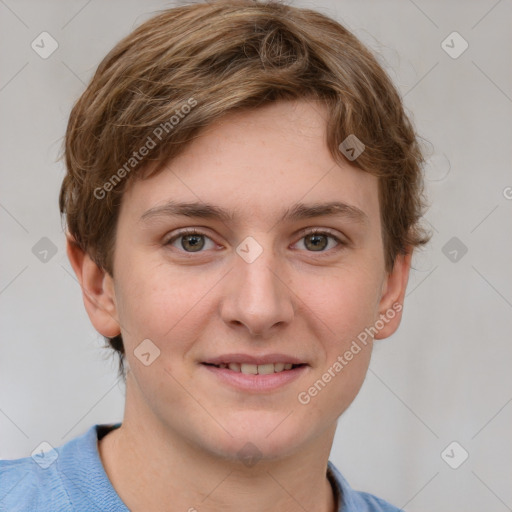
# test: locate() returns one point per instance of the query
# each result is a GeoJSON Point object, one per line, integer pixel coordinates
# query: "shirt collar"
{"type": "Point", "coordinates": [344, 494]}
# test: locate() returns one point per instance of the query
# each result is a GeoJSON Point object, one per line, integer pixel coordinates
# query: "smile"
{"type": "Point", "coordinates": [255, 378]}
{"type": "Point", "coordinates": [256, 369]}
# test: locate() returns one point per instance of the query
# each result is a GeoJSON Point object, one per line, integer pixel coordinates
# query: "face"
{"type": "Point", "coordinates": [257, 285]}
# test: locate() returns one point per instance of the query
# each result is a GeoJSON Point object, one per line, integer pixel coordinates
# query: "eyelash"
{"type": "Point", "coordinates": [309, 232]}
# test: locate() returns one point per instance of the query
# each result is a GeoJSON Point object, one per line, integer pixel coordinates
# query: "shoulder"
{"type": "Point", "coordinates": [370, 503]}
{"type": "Point", "coordinates": [27, 486]}
{"type": "Point", "coordinates": [357, 501]}
{"type": "Point", "coordinates": [51, 479]}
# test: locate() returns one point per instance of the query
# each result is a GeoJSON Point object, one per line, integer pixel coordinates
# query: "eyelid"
{"type": "Point", "coordinates": [320, 231]}
{"type": "Point", "coordinates": [185, 232]}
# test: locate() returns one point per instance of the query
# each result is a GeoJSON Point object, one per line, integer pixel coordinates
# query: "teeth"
{"type": "Point", "coordinates": [249, 368]}
{"type": "Point", "coordinates": [260, 369]}
{"type": "Point", "coordinates": [265, 369]}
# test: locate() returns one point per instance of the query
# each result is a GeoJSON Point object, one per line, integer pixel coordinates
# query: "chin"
{"type": "Point", "coordinates": [257, 435]}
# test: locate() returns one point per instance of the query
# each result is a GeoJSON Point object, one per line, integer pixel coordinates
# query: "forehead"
{"type": "Point", "coordinates": [259, 165]}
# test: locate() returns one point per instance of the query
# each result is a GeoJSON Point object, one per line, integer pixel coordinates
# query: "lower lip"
{"type": "Point", "coordinates": [258, 383]}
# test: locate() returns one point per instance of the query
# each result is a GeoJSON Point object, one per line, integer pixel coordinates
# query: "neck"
{"type": "Point", "coordinates": [154, 469]}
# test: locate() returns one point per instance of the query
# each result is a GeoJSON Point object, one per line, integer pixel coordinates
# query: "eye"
{"type": "Point", "coordinates": [191, 240]}
{"type": "Point", "coordinates": [317, 240]}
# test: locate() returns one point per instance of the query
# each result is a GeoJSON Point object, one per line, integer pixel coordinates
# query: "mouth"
{"type": "Point", "coordinates": [257, 369]}
{"type": "Point", "coordinates": [253, 374]}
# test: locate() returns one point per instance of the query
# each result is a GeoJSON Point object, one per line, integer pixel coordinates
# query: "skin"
{"type": "Point", "coordinates": [177, 448]}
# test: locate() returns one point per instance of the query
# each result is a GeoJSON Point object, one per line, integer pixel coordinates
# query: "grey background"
{"type": "Point", "coordinates": [444, 376]}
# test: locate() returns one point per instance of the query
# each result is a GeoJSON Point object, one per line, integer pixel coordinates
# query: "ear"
{"type": "Point", "coordinates": [393, 294]}
{"type": "Point", "coordinates": [97, 290]}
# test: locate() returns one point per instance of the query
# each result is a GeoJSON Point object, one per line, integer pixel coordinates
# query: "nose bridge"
{"type": "Point", "coordinates": [258, 297]}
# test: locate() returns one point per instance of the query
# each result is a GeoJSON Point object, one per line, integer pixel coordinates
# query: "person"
{"type": "Point", "coordinates": [243, 198]}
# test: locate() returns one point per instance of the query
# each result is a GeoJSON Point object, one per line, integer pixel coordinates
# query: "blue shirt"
{"type": "Point", "coordinates": [71, 478]}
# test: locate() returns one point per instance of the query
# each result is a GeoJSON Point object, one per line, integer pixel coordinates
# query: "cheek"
{"type": "Point", "coordinates": [341, 374]}
{"type": "Point", "coordinates": [162, 304]}
{"type": "Point", "coordinates": [346, 303]}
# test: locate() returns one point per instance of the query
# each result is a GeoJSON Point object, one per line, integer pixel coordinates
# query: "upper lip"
{"type": "Point", "coordinates": [251, 359]}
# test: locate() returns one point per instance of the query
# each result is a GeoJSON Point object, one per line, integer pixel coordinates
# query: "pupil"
{"type": "Point", "coordinates": [315, 243]}
{"type": "Point", "coordinates": [195, 245]}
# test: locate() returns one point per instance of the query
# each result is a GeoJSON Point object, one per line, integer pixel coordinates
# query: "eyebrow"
{"type": "Point", "coordinates": [298, 211]}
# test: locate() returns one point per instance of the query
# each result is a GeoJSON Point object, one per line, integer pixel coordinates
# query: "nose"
{"type": "Point", "coordinates": [257, 297]}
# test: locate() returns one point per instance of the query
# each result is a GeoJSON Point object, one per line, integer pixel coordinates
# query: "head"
{"type": "Point", "coordinates": [243, 107]}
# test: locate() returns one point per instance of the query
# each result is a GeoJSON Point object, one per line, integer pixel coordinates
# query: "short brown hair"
{"type": "Point", "coordinates": [232, 55]}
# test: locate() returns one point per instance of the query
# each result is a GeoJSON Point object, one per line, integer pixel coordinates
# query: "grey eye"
{"type": "Point", "coordinates": [316, 242]}
{"type": "Point", "coordinates": [191, 241]}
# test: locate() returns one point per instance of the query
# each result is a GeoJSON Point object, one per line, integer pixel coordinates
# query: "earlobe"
{"type": "Point", "coordinates": [392, 299]}
{"type": "Point", "coordinates": [97, 290]}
